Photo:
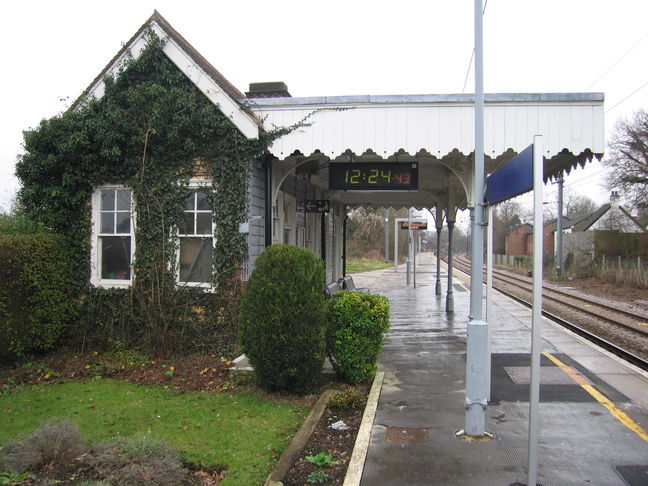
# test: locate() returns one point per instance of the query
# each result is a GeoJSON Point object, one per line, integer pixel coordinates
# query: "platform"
{"type": "Point", "coordinates": [590, 400]}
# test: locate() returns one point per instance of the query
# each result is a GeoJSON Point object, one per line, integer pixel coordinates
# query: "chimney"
{"type": "Point", "coordinates": [275, 89]}
{"type": "Point", "coordinates": [614, 200]}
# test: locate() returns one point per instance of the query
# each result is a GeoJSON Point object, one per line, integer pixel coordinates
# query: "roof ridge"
{"type": "Point", "coordinates": [221, 80]}
{"type": "Point", "coordinates": [205, 65]}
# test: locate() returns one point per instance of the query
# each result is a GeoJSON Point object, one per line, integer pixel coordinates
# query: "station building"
{"type": "Point", "coordinates": [351, 151]}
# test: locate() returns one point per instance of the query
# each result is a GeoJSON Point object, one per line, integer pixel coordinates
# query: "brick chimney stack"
{"type": "Point", "coordinates": [614, 200]}
{"type": "Point", "coordinates": [275, 89]}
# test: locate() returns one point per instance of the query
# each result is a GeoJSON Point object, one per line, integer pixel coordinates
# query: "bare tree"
{"type": "Point", "coordinates": [576, 205]}
{"type": "Point", "coordinates": [628, 159]}
{"type": "Point", "coordinates": [511, 213]}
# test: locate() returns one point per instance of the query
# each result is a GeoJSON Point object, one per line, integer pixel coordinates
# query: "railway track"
{"type": "Point", "coordinates": [621, 331]}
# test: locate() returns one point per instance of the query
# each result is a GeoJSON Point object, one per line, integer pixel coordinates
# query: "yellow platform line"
{"type": "Point", "coordinates": [599, 397]}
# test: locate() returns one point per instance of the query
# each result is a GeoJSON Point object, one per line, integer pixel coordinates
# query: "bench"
{"type": "Point", "coordinates": [331, 288]}
{"type": "Point", "coordinates": [348, 284]}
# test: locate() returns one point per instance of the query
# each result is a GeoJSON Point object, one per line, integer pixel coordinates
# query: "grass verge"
{"type": "Point", "coordinates": [243, 432]}
{"type": "Point", "coordinates": [364, 265]}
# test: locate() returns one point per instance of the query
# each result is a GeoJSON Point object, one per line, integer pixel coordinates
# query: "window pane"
{"type": "Point", "coordinates": [123, 222]}
{"type": "Point", "coordinates": [196, 259]}
{"type": "Point", "coordinates": [107, 222]}
{"type": "Point", "coordinates": [123, 199]}
{"type": "Point", "coordinates": [202, 202]}
{"type": "Point", "coordinates": [188, 226]}
{"type": "Point", "coordinates": [190, 202]}
{"type": "Point", "coordinates": [203, 224]}
{"type": "Point", "coordinates": [107, 199]}
{"type": "Point", "coordinates": [115, 257]}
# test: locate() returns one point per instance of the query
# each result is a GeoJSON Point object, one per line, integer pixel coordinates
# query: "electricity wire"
{"type": "Point", "coordinates": [613, 65]}
{"type": "Point", "coordinates": [630, 95]}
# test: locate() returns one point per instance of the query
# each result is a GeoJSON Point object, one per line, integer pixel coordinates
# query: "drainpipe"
{"type": "Point", "coordinates": [268, 202]}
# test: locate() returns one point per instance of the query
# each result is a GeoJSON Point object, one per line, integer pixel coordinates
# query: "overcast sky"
{"type": "Point", "coordinates": [52, 50]}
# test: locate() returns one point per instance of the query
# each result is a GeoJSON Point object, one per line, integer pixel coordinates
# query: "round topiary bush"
{"type": "Point", "coordinates": [281, 325]}
{"type": "Point", "coordinates": [356, 323]}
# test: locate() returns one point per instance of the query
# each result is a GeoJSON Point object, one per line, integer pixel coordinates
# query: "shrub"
{"type": "Point", "coordinates": [349, 397]}
{"type": "Point", "coordinates": [52, 443]}
{"type": "Point", "coordinates": [138, 461]}
{"type": "Point", "coordinates": [281, 326]}
{"type": "Point", "coordinates": [356, 323]}
{"type": "Point", "coordinates": [37, 293]}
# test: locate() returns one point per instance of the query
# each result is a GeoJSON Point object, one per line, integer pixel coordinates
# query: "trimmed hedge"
{"type": "Point", "coordinates": [281, 326]}
{"type": "Point", "coordinates": [37, 300]}
{"type": "Point", "coordinates": [355, 331]}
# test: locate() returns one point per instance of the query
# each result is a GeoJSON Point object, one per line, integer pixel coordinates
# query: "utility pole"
{"type": "Point", "coordinates": [477, 343]}
{"type": "Point", "coordinates": [559, 227]}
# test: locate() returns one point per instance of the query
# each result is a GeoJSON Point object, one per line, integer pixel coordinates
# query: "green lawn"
{"type": "Point", "coordinates": [241, 431]}
{"type": "Point", "coordinates": [364, 265]}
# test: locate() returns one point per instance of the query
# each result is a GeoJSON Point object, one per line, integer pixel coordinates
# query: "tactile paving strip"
{"type": "Point", "coordinates": [549, 375]}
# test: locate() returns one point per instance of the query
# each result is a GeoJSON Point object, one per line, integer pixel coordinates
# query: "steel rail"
{"type": "Point", "coordinates": [599, 341]}
{"type": "Point", "coordinates": [562, 296]}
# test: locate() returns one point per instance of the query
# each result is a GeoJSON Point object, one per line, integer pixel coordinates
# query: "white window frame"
{"type": "Point", "coordinates": [193, 185]}
{"type": "Point", "coordinates": [95, 246]}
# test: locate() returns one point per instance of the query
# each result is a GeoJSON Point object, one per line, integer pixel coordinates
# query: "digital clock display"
{"type": "Point", "coordinates": [378, 176]}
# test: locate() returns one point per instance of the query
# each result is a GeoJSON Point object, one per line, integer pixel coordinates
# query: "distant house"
{"type": "Point", "coordinates": [519, 241]}
{"type": "Point", "coordinates": [590, 234]}
{"type": "Point", "coordinates": [549, 236]}
{"type": "Point", "coordinates": [516, 240]}
{"type": "Point", "coordinates": [610, 216]}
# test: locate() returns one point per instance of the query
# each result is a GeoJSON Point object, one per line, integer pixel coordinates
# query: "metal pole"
{"type": "Point", "coordinates": [489, 295]}
{"type": "Point", "coordinates": [439, 227]}
{"type": "Point", "coordinates": [408, 265]}
{"type": "Point", "coordinates": [396, 244]}
{"type": "Point", "coordinates": [414, 244]}
{"type": "Point", "coordinates": [387, 235]}
{"type": "Point", "coordinates": [559, 225]}
{"type": "Point", "coordinates": [449, 294]}
{"type": "Point", "coordinates": [344, 244]}
{"type": "Point", "coordinates": [536, 321]}
{"type": "Point", "coordinates": [477, 342]}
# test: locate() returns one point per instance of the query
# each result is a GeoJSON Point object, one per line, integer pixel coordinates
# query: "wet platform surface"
{"type": "Point", "coordinates": [421, 406]}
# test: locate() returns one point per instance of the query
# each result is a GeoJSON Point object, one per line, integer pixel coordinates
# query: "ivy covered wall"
{"type": "Point", "coordinates": [150, 131]}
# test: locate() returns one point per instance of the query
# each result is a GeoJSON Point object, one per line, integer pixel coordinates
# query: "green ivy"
{"type": "Point", "coordinates": [149, 131]}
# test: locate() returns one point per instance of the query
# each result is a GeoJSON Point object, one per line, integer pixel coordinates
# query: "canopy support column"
{"type": "Point", "coordinates": [449, 294]}
{"type": "Point", "coordinates": [439, 228]}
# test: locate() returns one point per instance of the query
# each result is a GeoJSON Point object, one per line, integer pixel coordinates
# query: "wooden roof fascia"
{"type": "Point", "coordinates": [192, 64]}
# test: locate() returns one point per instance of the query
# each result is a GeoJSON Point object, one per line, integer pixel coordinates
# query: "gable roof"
{"type": "Point", "coordinates": [527, 226]}
{"type": "Point", "coordinates": [633, 219]}
{"type": "Point", "coordinates": [199, 71]}
{"type": "Point", "coordinates": [583, 223]}
{"type": "Point", "coordinates": [586, 222]}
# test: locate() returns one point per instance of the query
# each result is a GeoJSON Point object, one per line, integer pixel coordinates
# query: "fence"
{"type": "Point", "coordinates": [632, 272]}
